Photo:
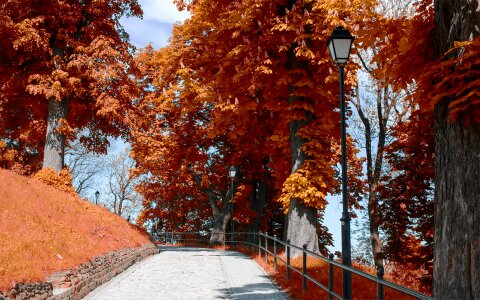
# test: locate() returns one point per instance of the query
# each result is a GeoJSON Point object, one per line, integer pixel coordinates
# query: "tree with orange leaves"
{"type": "Point", "coordinates": [65, 69]}
{"type": "Point", "coordinates": [248, 84]}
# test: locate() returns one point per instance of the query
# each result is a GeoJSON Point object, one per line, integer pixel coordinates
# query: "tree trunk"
{"type": "Point", "coordinates": [457, 172]}
{"type": "Point", "coordinates": [115, 204]}
{"type": "Point", "coordinates": [375, 240]}
{"type": "Point", "coordinates": [221, 216]}
{"type": "Point", "coordinates": [302, 220]}
{"type": "Point", "coordinates": [258, 206]}
{"type": "Point", "coordinates": [219, 227]}
{"type": "Point", "coordinates": [54, 141]}
{"type": "Point", "coordinates": [120, 206]}
{"type": "Point", "coordinates": [374, 169]}
{"type": "Point", "coordinates": [302, 229]}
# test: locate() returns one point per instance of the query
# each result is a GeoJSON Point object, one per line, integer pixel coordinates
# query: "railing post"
{"type": "Point", "coordinates": [380, 273]}
{"type": "Point", "coordinates": [275, 252]}
{"type": "Point", "coordinates": [266, 250]}
{"type": "Point", "coordinates": [288, 259]}
{"type": "Point", "coordinates": [254, 241]}
{"type": "Point", "coordinates": [250, 241]}
{"type": "Point", "coordinates": [259, 246]}
{"type": "Point", "coordinates": [330, 277]}
{"type": "Point", "coordinates": [165, 237]}
{"type": "Point", "coordinates": [304, 286]}
{"type": "Point", "coordinates": [234, 237]}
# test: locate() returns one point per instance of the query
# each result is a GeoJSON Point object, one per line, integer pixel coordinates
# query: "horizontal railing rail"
{"type": "Point", "coordinates": [260, 241]}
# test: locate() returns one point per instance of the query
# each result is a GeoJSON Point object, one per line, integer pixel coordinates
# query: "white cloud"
{"type": "Point", "coordinates": [144, 31]}
{"type": "Point", "coordinates": [156, 26]}
{"type": "Point", "coordinates": [163, 11]}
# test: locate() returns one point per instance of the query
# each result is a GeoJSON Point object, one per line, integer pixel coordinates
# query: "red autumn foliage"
{"type": "Point", "coordinates": [226, 98]}
{"type": "Point", "coordinates": [455, 74]}
{"type": "Point", "coordinates": [407, 194]}
{"type": "Point", "coordinates": [75, 52]}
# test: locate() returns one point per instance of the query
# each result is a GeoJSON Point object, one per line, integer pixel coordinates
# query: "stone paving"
{"type": "Point", "coordinates": [190, 273]}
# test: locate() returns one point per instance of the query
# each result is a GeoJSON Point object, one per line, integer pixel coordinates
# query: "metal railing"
{"type": "Point", "coordinates": [191, 237]}
{"type": "Point", "coordinates": [260, 241]}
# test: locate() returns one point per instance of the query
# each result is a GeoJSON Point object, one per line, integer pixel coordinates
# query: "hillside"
{"type": "Point", "coordinates": [44, 230]}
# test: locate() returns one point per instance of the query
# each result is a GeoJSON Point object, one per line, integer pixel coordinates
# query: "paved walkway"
{"type": "Point", "coordinates": [190, 273]}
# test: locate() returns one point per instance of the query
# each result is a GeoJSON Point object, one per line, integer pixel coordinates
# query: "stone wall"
{"type": "Point", "coordinates": [76, 283]}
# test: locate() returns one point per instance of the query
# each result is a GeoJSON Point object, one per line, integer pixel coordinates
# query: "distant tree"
{"type": "Point", "coordinates": [84, 166]}
{"type": "Point", "coordinates": [378, 109]}
{"type": "Point", "coordinates": [121, 196]}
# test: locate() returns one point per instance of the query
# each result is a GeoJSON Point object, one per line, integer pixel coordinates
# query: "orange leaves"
{"type": "Point", "coordinates": [53, 51]}
{"type": "Point", "coordinates": [458, 79]}
{"type": "Point", "coordinates": [408, 58]}
{"type": "Point", "coordinates": [307, 186]}
{"type": "Point", "coordinates": [264, 70]}
{"type": "Point", "coordinates": [405, 44]}
{"type": "Point", "coordinates": [61, 181]}
{"type": "Point", "coordinates": [407, 194]}
{"type": "Point", "coordinates": [224, 91]}
{"type": "Point", "coordinates": [304, 52]}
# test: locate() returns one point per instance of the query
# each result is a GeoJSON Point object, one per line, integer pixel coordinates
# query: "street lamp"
{"type": "Point", "coordinates": [340, 44]}
{"type": "Point", "coordinates": [97, 194]}
{"type": "Point", "coordinates": [232, 171]}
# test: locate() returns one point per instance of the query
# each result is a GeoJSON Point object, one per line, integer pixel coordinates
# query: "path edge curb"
{"type": "Point", "coordinates": [92, 274]}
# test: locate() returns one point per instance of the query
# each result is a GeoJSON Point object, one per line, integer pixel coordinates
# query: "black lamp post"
{"type": "Point", "coordinates": [97, 194]}
{"type": "Point", "coordinates": [231, 172]}
{"type": "Point", "coordinates": [339, 44]}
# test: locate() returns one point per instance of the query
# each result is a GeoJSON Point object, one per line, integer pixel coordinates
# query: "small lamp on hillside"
{"type": "Point", "coordinates": [97, 194]}
{"type": "Point", "coordinates": [340, 44]}
{"type": "Point", "coordinates": [232, 172]}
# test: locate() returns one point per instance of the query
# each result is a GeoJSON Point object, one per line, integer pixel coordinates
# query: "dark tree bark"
{"type": "Point", "coordinates": [54, 152]}
{"type": "Point", "coordinates": [457, 172]}
{"type": "Point", "coordinates": [221, 216]}
{"type": "Point", "coordinates": [302, 220]}
{"type": "Point", "coordinates": [375, 164]}
{"type": "Point", "coordinates": [258, 206]}
{"type": "Point", "coordinates": [219, 227]}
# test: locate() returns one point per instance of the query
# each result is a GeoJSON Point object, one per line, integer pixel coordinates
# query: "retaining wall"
{"type": "Point", "coordinates": [76, 283]}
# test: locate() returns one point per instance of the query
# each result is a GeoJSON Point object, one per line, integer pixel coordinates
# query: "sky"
{"type": "Point", "coordinates": [156, 27]}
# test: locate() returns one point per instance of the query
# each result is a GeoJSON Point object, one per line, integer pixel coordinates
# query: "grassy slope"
{"type": "Point", "coordinates": [43, 230]}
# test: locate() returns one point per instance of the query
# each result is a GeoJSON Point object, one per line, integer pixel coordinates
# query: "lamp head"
{"type": "Point", "coordinates": [232, 171]}
{"type": "Point", "coordinates": [340, 44]}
